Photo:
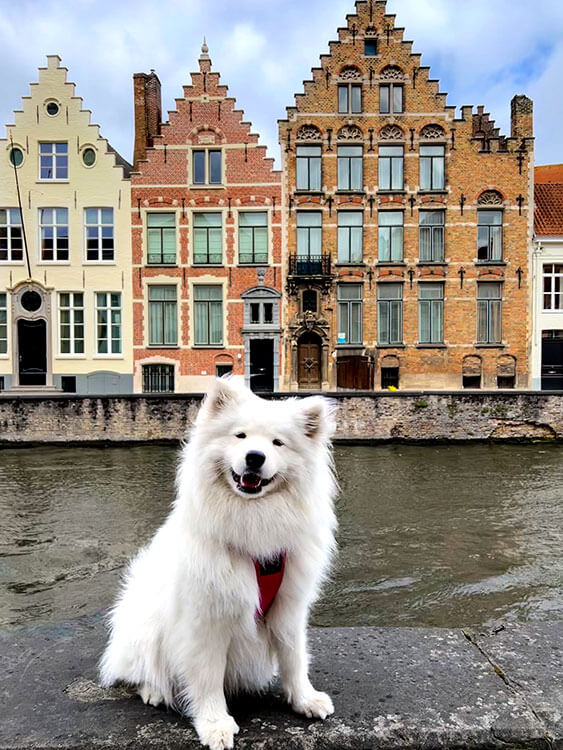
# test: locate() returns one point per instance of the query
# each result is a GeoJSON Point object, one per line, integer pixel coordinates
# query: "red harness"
{"type": "Point", "coordinates": [269, 576]}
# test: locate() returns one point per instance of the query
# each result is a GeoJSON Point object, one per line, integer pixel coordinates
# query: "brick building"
{"type": "Point", "coordinates": [406, 228]}
{"type": "Point", "coordinates": [547, 275]}
{"type": "Point", "coordinates": [206, 235]}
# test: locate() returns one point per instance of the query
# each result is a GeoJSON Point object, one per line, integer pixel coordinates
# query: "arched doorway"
{"type": "Point", "coordinates": [32, 349]}
{"type": "Point", "coordinates": [309, 348]}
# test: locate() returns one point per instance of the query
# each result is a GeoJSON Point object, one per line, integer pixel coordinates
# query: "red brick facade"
{"type": "Point", "coordinates": [180, 182]}
{"type": "Point", "coordinates": [436, 292]}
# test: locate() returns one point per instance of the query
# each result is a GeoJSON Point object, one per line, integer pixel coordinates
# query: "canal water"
{"type": "Point", "coordinates": [453, 536]}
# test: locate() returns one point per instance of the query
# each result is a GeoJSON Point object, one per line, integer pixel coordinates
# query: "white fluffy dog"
{"type": "Point", "coordinates": [222, 593]}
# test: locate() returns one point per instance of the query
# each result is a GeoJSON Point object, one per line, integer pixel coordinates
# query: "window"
{"type": "Point", "coordinates": [208, 315]}
{"type": "Point", "coordinates": [11, 237]}
{"type": "Point", "coordinates": [552, 287]}
{"type": "Point", "coordinates": [506, 381]}
{"type": "Point", "coordinates": [53, 161]}
{"type": "Point", "coordinates": [389, 377]}
{"type": "Point", "coordinates": [350, 98]}
{"type": "Point", "coordinates": [391, 167]}
{"type": "Point", "coordinates": [208, 239]}
{"type": "Point", "coordinates": [253, 237]}
{"type": "Point", "coordinates": [309, 300]}
{"type": "Point", "coordinates": [158, 378]}
{"type": "Point", "coordinates": [350, 168]}
{"type": "Point", "coordinates": [308, 167]}
{"type": "Point", "coordinates": [432, 167]}
{"type": "Point", "coordinates": [489, 235]}
{"type": "Point", "coordinates": [489, 313]}
{"type": "Point", "coordinates": [161, 238]}
{"type": "Point", "coordinates": [309, 233]}
{"type": "Point", "coordinates": [390, 236]}
{"type": "Point", "coordinates": [431, 313]}
{"type": "Point", "coordinates": [207, 167]}
{"type": "Point", "coordinates": [431, 236]}
{"type": "Point", "coordinates": [99, 233]}
{"type": "Point", "coordinates": [108, 322]}
{"type": "Point", "coordinates": [163, 317]}
{"type": "Point", "coordinates": [350, 236]}
{"type": "Point", "coordinates": [89, 157]}
{"type": "Point", "coordinates": [471, 381]}
{"type": "Point", "coordinates": [370, 47]}
{"type": "Point", "coordinates": [53, 228]}
{"type": "Point", "coordinates": [68, 383]}
{"type": "Point", "coordinates": [391, 98]}
{"type": "Point", "coordinates": [3, 323]}
{"type": "Point", "coordinates": [350, 314]}
{"type": "Point", "coordinates": [223, 369]}
{"type": "Point", "coordinates": [261, 313]}
{"type": "Point", "coordinates": [389, 313]}
{"type": "Point", "coordinates": [71, 320]}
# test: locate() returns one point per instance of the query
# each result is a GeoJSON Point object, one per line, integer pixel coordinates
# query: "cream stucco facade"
{"type": "Point", "coordinates": [66, 319]}
{"type": "Point", "coordinates": [547, 315]}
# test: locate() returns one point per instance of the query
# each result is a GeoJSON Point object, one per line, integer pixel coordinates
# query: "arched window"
{"type": "Point", "coordinates": [350, 91]}
{"type": "Point", "coordinates": [391, 94]}
{"type": "Point", "coordinates": [432, 159]}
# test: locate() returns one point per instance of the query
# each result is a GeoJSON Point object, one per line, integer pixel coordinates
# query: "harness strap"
{"type": "Point", "coordinates": [269, 576]}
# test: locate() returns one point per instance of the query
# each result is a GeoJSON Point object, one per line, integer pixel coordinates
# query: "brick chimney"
{"type": "Point", "coordinates": [522, 117]}
{"type": "Point", "coordinates": [148, 112]}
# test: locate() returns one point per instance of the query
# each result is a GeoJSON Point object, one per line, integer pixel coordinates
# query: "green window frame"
{"type": "Point", "coordinates": [208, 239]}
{"type": "Point", "coordinates": [108, 322]}
{"type": "Point", "coordinates": [161, 239]}
{"type": "Point", "coordinates": [163, 315]}
{"type": "Point", "coordinates": [253, 237]}
{"type": "Point", "coordinates": [208, 315]}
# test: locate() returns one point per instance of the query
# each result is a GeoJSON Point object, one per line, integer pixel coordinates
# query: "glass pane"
{"type": "Point", "coordinates": [207, 220]}
{"type": "Point", "coordinates": [383, 322]}
{"type": "Point", "coordinates": [397, 174]}
{"type": "Point", "coordinates": [199, 167]}
{"type": "Point", "coordinates": [489, 291]}
{"type": "Point", "coordinates": [432, 151]}
{"type": "Point", "coordinates": [397, 98]}
{"type": "Point", "coordinates": [356, 99]}
{"type": "Point", "coordinates": [343, 98]}
{"type": "Point", "coordinates": [216, 322]}
{"type": "Point", "coordinates": [155, 323]}
{"type": "Point", "coordinates": [356, 244]}
{"type": "Point", "coordinates": [384, 243]}
{"type": "Point", "coordinates": [343, 173]}
{"type": "Point", "coordinates": [430, 291]}
{"type": "Point", "coordinates": [356, 173]}
{"type": "Point", "coordinates": [355, 323]}
{"type": "Point", "coordinates": [384, 173]}
{"type": "Point", "coordinates": [431, 218]}
{"type": "Point", "coordinates": [425, 173]}
{"type": "Point", "coordinates": [396, 243]}
{"type": "Point", "coordinates": [437, 321]}
{"type": "Point", "coordinates": [496, 243]}
{"type": "Point", "coordinates": [309, 218]}
{"type": "Point", "coordinates": [390, 218]}
{"type": "Point", "coordinates": [252, 219]}
{"type": "Point", "coordinates": [425, 243]}
{"type": "Point", "coordinates": [215, 176]}
{"type": "Point", "coordinates": [495, 330]}
{"type": "Point", "coordinates": [343, 245]}
{"type": "Point", "coordinates": [315, 174]}
{"type": "Point", "coordinates": [302, 174]}
{"type": "Point", "coordinates": [200, 318]}
{"type": "Point", "coordinates": [438, 181]}
{"type": "Point", "coordinates": [268, 312]}
{"type": "Point", "coordinates": [255, 312]}
{"type": "Point", "coordinates": [389, 291]}
{"type": "Point", "coordinates": [395, 327]}
{"type": "Point", "coordinates": [350, 292]}
{"type": "Point", "coordinates": [424, 322]}
{"type": "Point", "coordinates": [343, 331]}
{"type": "Point", "coordinates": [384, 99]}
{"type": "Point", "coordinates": [315, 241]}
{"type": "Point", "coordinates": [438, 243]}
{"type": "Point", "coordinates": [170, 336]}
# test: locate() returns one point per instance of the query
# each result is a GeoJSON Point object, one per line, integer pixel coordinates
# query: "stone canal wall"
{"type": "Point", "coordinates": [405, 416]}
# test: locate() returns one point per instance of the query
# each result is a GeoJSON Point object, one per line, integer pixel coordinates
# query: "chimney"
{"type": "Point", "coordinates": [148, 113]}
{"type": "Point", "coordinates": [522, 117]}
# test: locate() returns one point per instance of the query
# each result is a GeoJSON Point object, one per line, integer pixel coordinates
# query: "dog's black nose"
{"type": "Point", "coordinates": [255, 459]}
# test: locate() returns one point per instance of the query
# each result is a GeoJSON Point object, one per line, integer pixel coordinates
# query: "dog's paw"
{"type": "Point", "coordinates": [314, 704]}
{"type": "Point", "coordinates": [151, 695]}
{"type": "Point", "coordinates": [217, 734]}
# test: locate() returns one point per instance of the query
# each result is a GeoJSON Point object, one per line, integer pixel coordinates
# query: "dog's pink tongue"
{"type": "Point", "coordinates": [250, 480]}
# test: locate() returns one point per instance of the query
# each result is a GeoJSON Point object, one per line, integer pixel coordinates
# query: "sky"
{"type": "Point", "coordinates": [482, 53]}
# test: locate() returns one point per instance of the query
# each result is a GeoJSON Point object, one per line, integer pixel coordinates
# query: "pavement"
{"type": "Point", "coordinates": [424, 688]}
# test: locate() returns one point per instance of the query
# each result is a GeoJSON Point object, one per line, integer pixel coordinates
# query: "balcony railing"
{"type": "Point", "coordinates": [309, 265]}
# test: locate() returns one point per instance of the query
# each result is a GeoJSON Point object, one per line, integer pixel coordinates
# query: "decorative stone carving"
{"type": "Point", "coordinates": [308, 133]}
{"type": "Point", "coordinates": [392, 73]}
{"type": "Point", "coordinates": [432, 132]}
{"type": "Point", "coordinates": [350, 133]}
{"type": "Point", "coordinates": [391, 133]}
{"type": "Point", "coordinates": [350, 73]}
{"type": "Point", "coordinates": [490, 198]}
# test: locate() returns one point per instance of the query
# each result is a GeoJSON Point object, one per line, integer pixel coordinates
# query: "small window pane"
{"type": "Point", "coordinates": [215, 176]}
{"type": "Point", "coordinates": [199, 167]}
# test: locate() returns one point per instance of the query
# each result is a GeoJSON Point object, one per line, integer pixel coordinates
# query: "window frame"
{"type": "Point", "coordinates": [345, 164]}
{"type": "Point", "coordinates": [346, 234]}
{"type": "Point", "coordinates": [353, 307]}
{"type": "Point", "coordinates": [55, 238]}
{"type": "Point", "coordinates": [309, 228]}
{"type": "Point", "coordinates": [54, 157]}
{"type": "Point", "coordinates": [391, 88]}
{"type": "Point", "coordinates": [437, 247]}
{"type": "Point", "coordinates": [109, 309]}
{"type": "Point", "coordinates": [163, 304]}
{"type": "Point", "coordinates": [100, 225]}
{"type": "Point", "coordinates": [481, 213]}
{"type": "Point", "coordinates": [162, 228]}
{"type": "Point", "coordinates": [72, 323]}
{"type": "Point", "coordinates": [393, 307]}
{"type": "Point", "coordinates": [387, 230]}
{"type": "Point", "coordinates": [552, 293]}
{"type": "Point", "coordinates": [160, 365]}
{"type": "Point", "coordinates": [8, 227]}
{"type": "Point", "coordinates": [435, 310]}
{"type": "Point", "coordinates": [196, 288]}
{"type": "Point", "coordinates": [349, 88]}
{"type": "Point", "coordinates": [489, 304]}
{"type": "Point", "coordinates": [207, 167]}
{"type": "Point", "coordinates": [3, 324]}
{"type": "Point", "coordinates": [265, 230]}
{"type": "Point", "coordinates": [391, 161]}
{"type": "Point", "coordinates": [307, 160]}
{"type": "Point", "coordinates": [205, 229]}
{"type": "Point", "coordinates": [432, 158]}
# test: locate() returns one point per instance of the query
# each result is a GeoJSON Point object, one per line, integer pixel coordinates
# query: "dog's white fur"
{"type": "Point", "coordinates": [184, 630]}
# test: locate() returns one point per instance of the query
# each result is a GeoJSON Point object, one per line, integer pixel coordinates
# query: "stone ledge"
{"type": "Point", "coordinates": [392, 688]}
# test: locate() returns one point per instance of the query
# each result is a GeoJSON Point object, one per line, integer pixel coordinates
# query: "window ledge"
{"type": "Point", "coordinates": [393, 263]}
{"type": "Point", "coordinates": [12, 263]}
{"type": "Point", "coordinates": [437, 263]}
{"type": "Point", "coordinates": [349, 346]}
{"type": "Point", "coordinates": [490, 346]}
{"type": "Point", "coordinates": [391, 346]}
{"type": "Point", "coordinates": [99, 263]}
{"type": "Point", "coordinates": [109, 356]}
{"type": "Point", "coordinates": [59, 182]}
{"type": "Point", "coordinates": [343, 264]}
{"type": "Point", "coordinates": [490, 263]}
{"type": "Point", "coordinates": [399, 191]}
{"type": "Point", "coordinates": [253, 265]}
{"type": "Point", "coordinates": [207, 265]}
{"type": "Point", "coordinates": [208, 346]}
{"type": "Point", "coordinates": [350, 192]}
{"type": "Point", "coordinates": [163, 346]}
{"type": "Point", "coordinates": [303, 191]}
{"type": "Point", "coordinates": [431, 346]}
{"type": "Point", "coordinates": [161, 265]}
{"type": "Point", "coordinates": [441, 191]}
{"type": "Point", "coordinates": [206, 186]}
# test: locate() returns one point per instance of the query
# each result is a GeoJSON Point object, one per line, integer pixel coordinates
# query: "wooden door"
{"type": "Point", "coordinates": [309, 360]}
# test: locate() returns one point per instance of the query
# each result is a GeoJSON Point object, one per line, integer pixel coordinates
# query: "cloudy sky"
{"type": "Point", "coordinates": [482, 52]}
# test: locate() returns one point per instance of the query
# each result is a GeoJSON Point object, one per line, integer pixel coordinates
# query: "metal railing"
{"type": "Point", "coordinates": [309, 265]}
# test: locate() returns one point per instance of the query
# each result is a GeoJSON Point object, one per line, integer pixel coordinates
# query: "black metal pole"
{"type": "Point", "coordinates": [12, 159]}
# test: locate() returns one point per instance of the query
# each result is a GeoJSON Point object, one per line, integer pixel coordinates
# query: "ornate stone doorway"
{"type": "Point", "coordinates": [31, 334]}
{"type": "Point", "coordinates": [309, 349]}
{"type": "Point", "coordinates": [32, 347]}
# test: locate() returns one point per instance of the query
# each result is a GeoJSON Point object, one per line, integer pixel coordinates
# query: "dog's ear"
{"type": "Point", "coordinates": [317, 417]}
{"type": "Point", "coordinates": [225, 392]}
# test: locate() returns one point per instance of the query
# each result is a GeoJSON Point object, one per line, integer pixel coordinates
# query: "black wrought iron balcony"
{"type": "Point", "coordinates": [309, 265]}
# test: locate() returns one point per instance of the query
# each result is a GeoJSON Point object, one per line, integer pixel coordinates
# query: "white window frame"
{"type": "Point", "coordinates": [552, 294]}
{"type": "Point", "coordinates": [9, 225]}
{"type": "Point", "coordinates": [54, 157]}
{"type": "Point", "coordinates": [3, 324]}
{"type": "Point", "coordinates": [73, 308]}
{"type": "Point", "coordinates": [108, 308]}
{"type": "Point", "coordinates": [55, 238]}
{"type": "Point", "coordinates": [100, 226]}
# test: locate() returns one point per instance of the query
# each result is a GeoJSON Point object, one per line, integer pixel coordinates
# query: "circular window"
{"type": "Point", "coordinates": [52, 108]}
{"type": "Point", "coordinates": [16, 156]}
{"type": "Point", "coordinates": [31, 301]}
{"type": "Point", "coordinates": [88, 156]}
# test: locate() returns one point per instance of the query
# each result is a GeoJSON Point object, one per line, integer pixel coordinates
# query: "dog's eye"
{"type": "Point", "coordinates": [276, 441]}
{"type": "Point", "coordinates": [240, 435]}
